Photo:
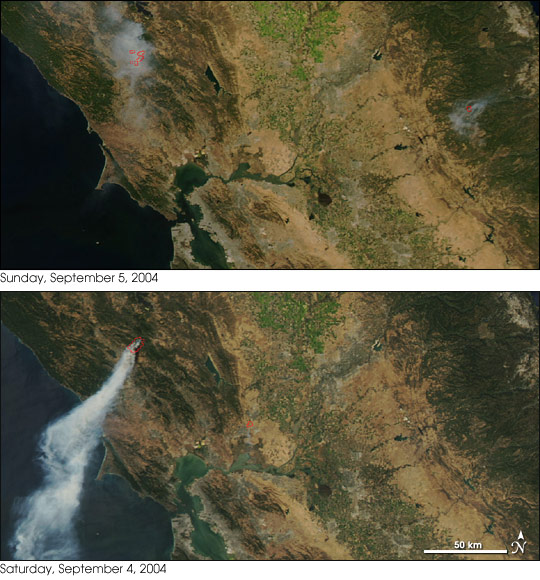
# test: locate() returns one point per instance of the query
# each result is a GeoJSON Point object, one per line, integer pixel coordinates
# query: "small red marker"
{"type": "Point", "coordinates": [249, 424]}
{"type": "Point", "coordinates": [135, 345]}
{"type": "Point", "coordinates": [140, 57]}
{"type": "Point", "coordinates": [469, 108]}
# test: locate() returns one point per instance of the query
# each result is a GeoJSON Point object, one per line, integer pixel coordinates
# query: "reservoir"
{"type": "Point", "coordinates": [114, 523]}
{"type": "Point", "coordinates": [52, 215]}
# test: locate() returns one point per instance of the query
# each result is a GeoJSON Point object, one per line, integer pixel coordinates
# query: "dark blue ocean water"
{"type": "Point", "coordinates": [52, 215]}
{"type": "Point", "coordinates": [114, 523]}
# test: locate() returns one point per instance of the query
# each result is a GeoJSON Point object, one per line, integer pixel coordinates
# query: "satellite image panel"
{"type": "Point", "coordinates": [270, 426]}
{"type": "Point", "coordinates": [270, 135]}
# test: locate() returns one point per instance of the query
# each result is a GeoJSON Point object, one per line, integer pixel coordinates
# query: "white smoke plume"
{"type": "Point", "coordinates": [46, 526]}
{"type": "Point", "coordinates": [123, 35]}
{"type": "Point", "coordinates": [465, 116]}
{"type": "Point", "coordinates": [128, 35]}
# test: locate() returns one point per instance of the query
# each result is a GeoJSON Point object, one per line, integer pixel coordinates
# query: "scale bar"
{"type": "Point", "coordinates": [465, 551]}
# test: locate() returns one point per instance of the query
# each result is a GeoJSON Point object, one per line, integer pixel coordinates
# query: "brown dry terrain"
{"type": "Point", "coordinates": [351, 115]}
{"type": "Point", "coordinates": [382, 424]}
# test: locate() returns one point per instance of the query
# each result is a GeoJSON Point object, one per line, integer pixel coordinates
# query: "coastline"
{"type": "Point", "coordinates": [104, 176]}
{"type": "Point", "coordinates": [142, 510]}
{"type": "Point", "coordinates": [21, 341]}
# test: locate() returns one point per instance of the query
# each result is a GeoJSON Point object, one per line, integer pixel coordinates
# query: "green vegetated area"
{"type": "Point", "coordinates": [302, 30]}
{"type": "Point", "coordinates": [29, 26]}
{"type": "Point", "coordinates": [300, 323]}
{"type": "Point", "coordinates": [306, 29]}
{"type": "Point", "coordinates": [308, 321]}
{"type": "Point", "coordinates": [332, 456]}
{"type": "Point", "coordinates": [485, 389]}
{"type": "Point", "coordinates": [473, 56]}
